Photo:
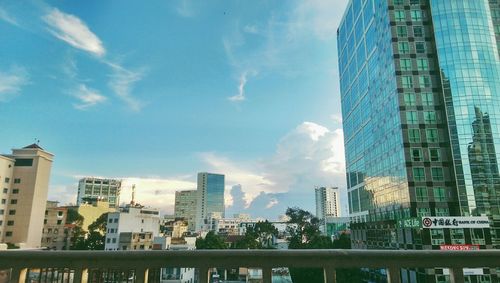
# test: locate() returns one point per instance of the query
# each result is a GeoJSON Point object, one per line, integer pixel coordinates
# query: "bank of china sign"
{"type": "Point", "coordinates": [455, 222]}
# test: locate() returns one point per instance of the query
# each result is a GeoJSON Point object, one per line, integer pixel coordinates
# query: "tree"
{"type": "Point", "coordinates": [211, 241]}
{"type": "Point", "coordinates": [95, 237]}
{"type": "Point", "coordinates": [259, 236]}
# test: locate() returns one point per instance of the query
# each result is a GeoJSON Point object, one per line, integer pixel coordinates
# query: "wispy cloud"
{"type": "Point", "coordinates": [122, 82]}
{"type": "Point", "coordinates": [7, 17]}
{"type": "Point", "coordinates": [73, 31]}
{"type": "Point", "coordinates": [241, 86]}
{"type": "Point", "coordinates": [88, 97]}
{"type": "Point", "coordinates": [251, 29]}
{"type": "Point", "coordinates": [185, 8]}
{"type": "Point", "coordinates": [11, 82]}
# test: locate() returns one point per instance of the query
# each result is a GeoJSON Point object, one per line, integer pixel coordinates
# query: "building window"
{"type": "Point", "coordinates": [427, 99]}
{"type": "Point", "coordinates": [399, 15]}
{"type": "Point", "coordinates": [10, 223]}
{"type": "Point", "coordinates": [437, 236]}
{"type": "Point", "coordinates": [116, 220]}
{"type": "Point", "coordinates": [437, 174]}
{"type": "Point", "coordinates": [477, 236]}
{"type": "Point", "coordinates": [110, 220]}
{"type": "Point", "coordinates": [442, 211]}
{"type": "Point", "coordinates": [4, 201]}
{"type": "Point", "coordinates": [12, 212]}
{"type": "Point", "coordinates": [420, 47]}
{"type": "Point", "coordinates": [416, 15]}
{"type": "Point", "coordinates": [59, 213]}
{"type": "Point", "coordinates": [416, 154]}
{"type": "Point", "coordinates": [421, 194]}
{"type": "Point", "coordinates": [45, 221]}
{"type": "Point", "coordinates": [5, 190]}
{"type": "Point", "coordinates": [430, 117]}
{"type": "Point", "coordinates": [13, 201]}
{"type": "Point", "coordinates": [398, 2]}
{"type": "Point", "coordinates": [403, 47]}
{"type": "Point", "coordinates": [113, 240]}
{"type": "Point", "coordinates": [423, 211]}
{"type": "Point", "coordinates": [414, 135]}
{"type": "Point", "coordinates": [414, 2]}
{"type": "Point", "coordinates": [8, 234]}
{"type": "Point", "coordinates": [401, 31]}
{"type": "Point", "coordinates": [405, 64]}
{"type": "Point", "coordinates": [15, 191]}
{"type": "Point", "coordinates": [422, 65]}
{"type": "Point", "coordinates": [434, 154]}
{"type": "Point", "coordinates": [108, 240]}
{"type": "Point", "coordinates": [411, 117]}
{"type": "Point", "coordinates": [457, 236]}
{"type": "Point", "coordinates": [17, 181]}
{"type": "Point", "coordinates": [59, 222]}
{"type": "Point", "coordinates": [409, 99]}
{"type": "Point", "coordinates": [7, 180]}
{"type": "Point", "coordinates": [418, 174]}
{"type": "Point", "coordinates": [424, 81]}
{"type": "Point", "coordinates": [439, 194]}
{"type": "Point", "coordinates": [407, 81]}
{"type": "Point", "coordinates": [432, 135]}
{"type": "Point", "coordinates": [418, 31]}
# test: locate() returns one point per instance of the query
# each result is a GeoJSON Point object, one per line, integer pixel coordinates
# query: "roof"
{"type": "Point", "coordinates": [34, 146]}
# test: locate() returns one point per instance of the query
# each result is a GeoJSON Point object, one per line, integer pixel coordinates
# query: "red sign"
{"type": "Point", "coordinates": [459, 247]}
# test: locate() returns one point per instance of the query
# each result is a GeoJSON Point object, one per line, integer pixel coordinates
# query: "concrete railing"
{"type": "Point", "coordinates": [141, 262]}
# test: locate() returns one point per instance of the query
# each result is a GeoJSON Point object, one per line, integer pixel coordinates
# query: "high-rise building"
{"type": "Point", "coordinates": [25, 177]}
{"type": "Point", "coordinates": [210, 198]}
{"type": "Point", "coordinates": [327, 202]}
{"type": "Point", "coordinates": [104, 189]}
{"type": "Point", "coordinates": [185, 207]}
{"type": "Point", "coordinates": [421, 115]}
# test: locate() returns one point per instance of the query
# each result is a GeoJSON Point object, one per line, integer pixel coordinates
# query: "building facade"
{"type": "Point", "coordinates": [104, 189]}
{"type": "Point", "coordinates": [185, 207]}
{"type": "Point", "coordinates": [91, 208]}
{"type": "Point", "coordinates": [327, 202]}
{"type": "Point", "coordinates": [210, 198]}
{"type": "Point", "coordinates": [130, 219]}
{"type": "Point", "coordinates": [421, 109]}
{"type": "Point", "coordinates": [54, 235]}
{"type": "Point", "coordinates": [25, 179]}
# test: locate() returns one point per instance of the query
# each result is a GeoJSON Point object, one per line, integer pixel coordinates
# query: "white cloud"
{"type": "Point", "coordinates": [241, 86]}
{"type": "Point", "coordinates": [73, 31]}
{"type": "Point", "coordinates": [185, 8]}
{"type": "Point", "coordinates": [122, 82]}
{"type": "Point", "coordinates": [337, 118]}
{"type": "Point", "coordinates": [11, 82]}
{"type": "Point", "coordinates": [88, 97]}
{"type": "Point", "coordinates": [7, 17]}
{"type": "Point", "coordinates": [252, 29]}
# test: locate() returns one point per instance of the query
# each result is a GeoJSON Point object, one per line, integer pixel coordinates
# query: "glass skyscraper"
{"type": "Point", "coordinates": [210, 198]}
{"type": "Point", "coordinates": [420, 90]}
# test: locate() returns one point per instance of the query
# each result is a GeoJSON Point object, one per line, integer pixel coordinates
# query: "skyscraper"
{"type": "Point", "coordinates": [185, 207]}
{"type": "Point", "coordinates": [421, 113]}
{"type": "Point", "coordinates": [327, 202]}
{"type": "Point", "coordinates": [210, 198]}
{"type": "Point", "coordinates": [104, 189]}
{"type": "Point", "coordinates": [25, 177]}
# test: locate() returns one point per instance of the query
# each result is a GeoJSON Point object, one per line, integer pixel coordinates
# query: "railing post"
{"type": "Point", "coordinates": [18, 275]}
{"type": "Point", "coordinates": [267, 275]}
{"type": "Point", "coordinates": [330, 275]}
{"type": "Point", "coordinates": [203, 274]}
{"type": "Point", "coordinates": [394, 275]}
{"type": "Point", "coordinates": [80, 275]}
{"type": "Point", "coordinates": [141, 275]}
{"type": "Point", "coordinates": [457, 275]}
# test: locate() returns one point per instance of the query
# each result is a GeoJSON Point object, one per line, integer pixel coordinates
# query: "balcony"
{"type": "Point", "coordinates": [143, 266]}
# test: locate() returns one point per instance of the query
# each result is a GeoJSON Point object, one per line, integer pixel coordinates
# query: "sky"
{"type": "Point", "coordinates": [154, 92]}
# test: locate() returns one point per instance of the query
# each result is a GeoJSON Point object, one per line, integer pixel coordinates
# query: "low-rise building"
{"type": "Point", "coordinates": [92, 208]}
{"type": "Point", "coordinates": [135, 241]}
{"type": "Point", "coordinates": [54, 225]}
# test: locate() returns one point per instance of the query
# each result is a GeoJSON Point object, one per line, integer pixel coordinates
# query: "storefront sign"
{"type": "Point", "coordinates": [455, 222]}
{"type": "Point", "coordinates": [409, 223]}
{"type": "Point", "coordinates": [459, 247]}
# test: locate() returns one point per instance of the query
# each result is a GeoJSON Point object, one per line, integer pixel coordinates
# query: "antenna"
{"type": "Point", "coordinates": [132, 202]}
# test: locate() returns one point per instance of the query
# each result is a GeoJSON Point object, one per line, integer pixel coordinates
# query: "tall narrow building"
{"type": "Point", "coordinates": [210, 198]}
{"type": "Point", "coordinates": [420, 98]}
{"type": "Point", "coordinates": [327, 202]}
{"type": "Point", "coordinates": [25, 177]}
{"type": "Point", "coordinates": [185, 207]}
{"type": "Point", "coordinates": [101, 188]}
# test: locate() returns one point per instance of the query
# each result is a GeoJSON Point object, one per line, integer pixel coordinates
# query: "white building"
{"type": "Point", "coordinates": [24, 175]}
{"type": "Point", "coordinates": [103, 189]}
{"type": "Point", "coordinates": [132, 218]}
{"type": "Point", "coordinates": [327, 202]}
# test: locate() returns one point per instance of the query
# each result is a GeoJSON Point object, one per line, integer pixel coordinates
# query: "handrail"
{"type": "Point", "coordinates": [393, 260]}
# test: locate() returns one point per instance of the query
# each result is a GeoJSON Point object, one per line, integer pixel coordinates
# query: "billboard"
{"type": "Point", "coordinates": [455, 222]}
{"type": "Point", "coordinates": [459, 247]}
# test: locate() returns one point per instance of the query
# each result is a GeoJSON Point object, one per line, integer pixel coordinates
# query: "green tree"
{"type": "Point", "coordinates": [260, 236]}
{"type": "Point", "coordinates": [211, 241]}
{"type": "Point", "coordinates": [95, 237]}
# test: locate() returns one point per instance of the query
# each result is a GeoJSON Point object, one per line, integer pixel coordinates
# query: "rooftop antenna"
{"type": "Point", "coordinates": [132, 202]}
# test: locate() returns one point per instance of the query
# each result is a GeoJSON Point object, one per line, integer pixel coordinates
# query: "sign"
{"type": "Point", "coordinates": [459, 247]}
{"type": "Point", "coordinates": [456, 222]}
{"type": "Point", "coordinates": [409, 223]}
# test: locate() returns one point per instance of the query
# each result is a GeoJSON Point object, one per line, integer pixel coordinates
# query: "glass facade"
{"type": "Point", "coordinates": [210, 199]}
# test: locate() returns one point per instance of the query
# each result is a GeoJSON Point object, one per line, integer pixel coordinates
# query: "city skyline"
{"type": "Point", "coordinates": [124, 101]}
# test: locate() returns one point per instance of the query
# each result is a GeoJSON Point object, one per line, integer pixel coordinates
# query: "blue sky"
{"type": "Point", "coordinates": [154, 92]}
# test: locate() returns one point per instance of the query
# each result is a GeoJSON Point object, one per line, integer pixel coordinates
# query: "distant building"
{"type": "Point", "coordinates": [135, 241]}
{"type": "Point", "coordinates": [53, 233]}
{"type": "Point", "coordinates": [92, 208]}
{"type": "Point", "coordinates": [130, 219]}
{"type": "Point", "coordinates": [104, 189]}
{"type": "Point", "coordinates": [25, 177]}
{"type": "Point", "coordinates": [185, 207]}
{"type": "Point", "coordinates": [210, 198]}
{"type": "Point", "coordinates": [327, 202]}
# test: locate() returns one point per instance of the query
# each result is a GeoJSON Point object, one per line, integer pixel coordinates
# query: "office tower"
{"type": "Point", "coordinates": [135, 221]}
{"type": "Point", "coordinates": [55, 236]}
{"type": "Point", "coordinates": [210, 198]}
{"type": "Point", "coordinates": [421, 109]}
{"type": "Point", "coordinates": [327, 202]}
{"type": "Point", "coordinates": [25, 179]}
{"type": "Point", "coordinates": [104, 189]}
{"type": "Point", "coordinates": [185, 207]}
